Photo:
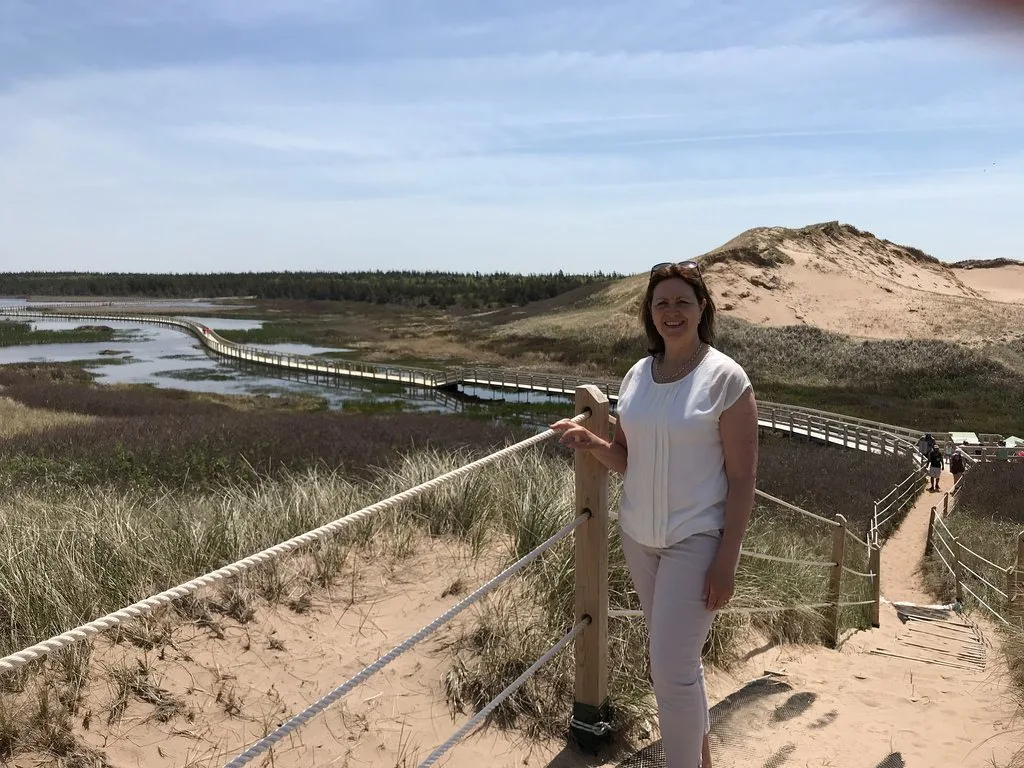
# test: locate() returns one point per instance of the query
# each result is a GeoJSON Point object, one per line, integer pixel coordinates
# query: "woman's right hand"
{"type": "Point", "coordinates": [578, 437]}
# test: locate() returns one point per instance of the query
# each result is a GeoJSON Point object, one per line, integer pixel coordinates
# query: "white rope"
{"type": "Point", "coordinates": [943, 524]}
{"type": "Point", "coordinates": [991, 610]}
{"type": "Point", "coordinates": [775, 559]}
{"type": "Point", "coordinates": [324, 702]}
{"type": "Point", "coordinates": [948, 548]}
{"type": "Point", "coordinates": [795, 508]}
{"type": "Point", "coordinates": [883, 521]}
{"type": "Point", "coordinates": [146, 606]}
{"type": "Point", "coordinates": [857, 538]}
{"type": "Point", "coordinates": [497, 700]}
{"type": "Point", "coordinates": [999, 568]}
{"type": "Point", "coordinates": [948, 566]}
{"type": "Point", "coordinates": [631, 613]}
{"type": "Point", "coordinates": [858, 573]}
{"type": "Point", "coordinates": [984, 581]}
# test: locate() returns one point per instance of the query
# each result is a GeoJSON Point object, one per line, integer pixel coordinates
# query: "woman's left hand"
{"type": "Point", "coordinates": [719, 584]}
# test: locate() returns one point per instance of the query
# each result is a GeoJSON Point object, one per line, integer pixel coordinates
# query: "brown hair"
{"type": "Point", "coordinates": [692, 275]}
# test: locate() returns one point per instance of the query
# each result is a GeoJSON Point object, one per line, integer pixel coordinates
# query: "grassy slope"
{"type": "Point", "coordinates": [931, 384]}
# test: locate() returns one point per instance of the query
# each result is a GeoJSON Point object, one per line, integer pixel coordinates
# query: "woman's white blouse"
{"type": "Point", "coordinates": [675, 483]}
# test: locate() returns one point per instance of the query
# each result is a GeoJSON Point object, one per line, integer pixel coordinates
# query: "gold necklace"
{"type": "Point", "coordinates": [684, 366]}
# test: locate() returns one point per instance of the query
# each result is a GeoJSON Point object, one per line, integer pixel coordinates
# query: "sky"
{"type": "Point", "coordinates": [496, 135]}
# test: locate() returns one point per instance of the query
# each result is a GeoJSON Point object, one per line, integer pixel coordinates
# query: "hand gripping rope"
{"type": "Point", "coordinates": [323, 703]}
{"type": "Point", "coordinates": [144, 607]}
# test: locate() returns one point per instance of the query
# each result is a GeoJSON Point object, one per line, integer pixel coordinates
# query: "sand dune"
{"type": "Point", "coordinates": [842, 279]}
{"type": "Point", "coordinates": [832, 276]}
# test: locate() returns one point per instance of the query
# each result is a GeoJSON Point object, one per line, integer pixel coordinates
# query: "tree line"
{"type": "Point", "coordinates": [434, 289]}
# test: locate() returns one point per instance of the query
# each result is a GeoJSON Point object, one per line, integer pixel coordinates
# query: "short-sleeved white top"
{"type": "Point", "coordinates": [675, 483]}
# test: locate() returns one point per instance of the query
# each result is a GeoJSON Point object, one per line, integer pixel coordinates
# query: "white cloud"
{"type": "Point", "coordinates": [590, 130]}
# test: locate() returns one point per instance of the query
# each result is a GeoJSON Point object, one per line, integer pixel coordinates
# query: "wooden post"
{"type": "Point", "coordinates": [590, 712]}
{"type": "Point", "coordinates": [875, 567]}
{"type": "Point", "coordinates": [828, 440]}
{"type": "Point", "coordinates": [945, 506]}
{"type": "Point", "coordinates": [956, 570]}
{"type": "Point", "coordinates": [1014, 582]}
{"type": "Point", "coordinates": [846, 435]}
{"type": "Point", "coordinates": [931, 528]}
{"type": "Point", "coordinates": [835, 583]}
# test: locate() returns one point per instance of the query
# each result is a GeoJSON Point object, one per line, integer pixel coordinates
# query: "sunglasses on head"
{"type": "Point", "coordinates": [687, 264]}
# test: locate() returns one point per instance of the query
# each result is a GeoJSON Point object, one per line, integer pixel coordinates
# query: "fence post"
{"type": "Point", "coordinates": [828, 440]}
{"type": "Point", "coordinates": [931, 528]}
{"type": "Point", "coordinates": [846, 435]}
{"type": "Point", "coordinates": [590, 711]}
{"type": "Point", "coordinates": [1013, 579]}
{"type": "Point", "coordinates": [835, 583]}
{"type": "Point", "coordinates": [956, 570]}
{"type": "Point", "coordinates": [875, 567]}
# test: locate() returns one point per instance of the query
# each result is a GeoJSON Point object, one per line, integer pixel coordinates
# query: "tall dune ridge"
{"type": "Point", "coordinates": [832, 276]}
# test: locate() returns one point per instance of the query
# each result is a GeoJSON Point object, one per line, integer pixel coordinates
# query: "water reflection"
{"type": "Point", "coordinates": [167, 358]}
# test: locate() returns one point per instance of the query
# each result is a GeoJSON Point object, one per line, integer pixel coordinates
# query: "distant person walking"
{"type": "Point", "coordinates": [924, 447]}
{"type": "Point", "coordinates": [956, 466]}
{"type": "Point", "coordinates": [686, 445]}
{"type": "Point", "coordinates": [936, 461]}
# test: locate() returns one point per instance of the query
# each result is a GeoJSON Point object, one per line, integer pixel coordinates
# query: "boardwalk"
{"type": "Point", "coordinates": [831, 428]}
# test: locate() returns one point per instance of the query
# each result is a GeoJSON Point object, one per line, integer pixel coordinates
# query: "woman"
{"type": "Point", "coordinates": [686, 445]}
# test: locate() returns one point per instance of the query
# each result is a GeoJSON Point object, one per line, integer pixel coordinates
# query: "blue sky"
{"type": "Point", "coordinates": [519, 135]}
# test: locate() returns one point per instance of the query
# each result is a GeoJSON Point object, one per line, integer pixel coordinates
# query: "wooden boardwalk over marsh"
{"type": "Point", "coordinates": [823, 426]}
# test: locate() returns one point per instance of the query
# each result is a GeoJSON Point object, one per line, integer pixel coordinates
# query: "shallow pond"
{"type": "Point", "coordinates": [162, 357]}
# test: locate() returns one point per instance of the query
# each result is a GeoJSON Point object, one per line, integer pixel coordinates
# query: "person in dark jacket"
{"type": "Point", "coordinates": [956, 466]}
{"type": "Point", "coordinates": [936, 461]}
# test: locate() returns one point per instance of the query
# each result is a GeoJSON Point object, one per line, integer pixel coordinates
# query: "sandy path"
{"type": "Point", "coordinates": [901, 554]}
{"type": "Point", "coordinates": [855, 708]}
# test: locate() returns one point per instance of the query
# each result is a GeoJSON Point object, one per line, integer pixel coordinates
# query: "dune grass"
{"type": "Point", "coordinates": [17, 419]}
{"type": "Point", "coordinates": [104, 543]}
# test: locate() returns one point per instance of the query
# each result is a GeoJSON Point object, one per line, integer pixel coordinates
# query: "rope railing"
{"type": "Point", "coordinates": [144, 607]}
{"type": "Point", "coordinates": [516, 684]}
{"type": "Point", "coordinates": [981, 558]}
{"type": "Point", "coordinates": [939, 531]}
{"type": "Point", "coordinates": [777, 559]}
{"type": "Point", "coordinates": [901, 495]}
{"type": "Point", "coordinates": [991, 610]}
{"type": "Point", "coordinates": [856, 538]}
{"type": "Point", "coordinates": [794, 508]}
{"type": "Point", "coordinates": [983, 580]}
{"type": "Point", "coordinates": [367, 672]}
{"type": "Point", "coordinates": [852, 572]}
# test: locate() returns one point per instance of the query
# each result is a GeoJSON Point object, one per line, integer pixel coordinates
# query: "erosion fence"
{"type": "Point", "coordinates": [586, 630]}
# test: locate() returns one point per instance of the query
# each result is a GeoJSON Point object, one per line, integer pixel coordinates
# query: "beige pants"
{"type": "Point", "coordinates": [670, 585]}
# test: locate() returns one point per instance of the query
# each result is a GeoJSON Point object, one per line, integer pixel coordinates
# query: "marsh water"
{"type": "Point", "coordinates": [162, 357]}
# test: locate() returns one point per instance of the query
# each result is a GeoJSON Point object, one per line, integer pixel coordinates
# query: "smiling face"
{"type": "Point", "coordinates": [675, 310]}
